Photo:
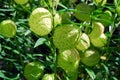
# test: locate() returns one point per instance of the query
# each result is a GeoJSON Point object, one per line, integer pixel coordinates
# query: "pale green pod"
{"type": "Point", "coordinates": [72, 1]}
{"type": "Point", "coordinates": [33, 70]}
{"type": "Point", "coordinates": [97, 30]}
{"type": "Point", "coordinates": [100, 41]}
{"type": "Point", "coordinates": [84, 42]}
{"type": "Point", "coordinates": [90, 57]}
{"type": "Point", "coordinates": [118, 10]}
{"type": "Point", "coordinates": [8, 28]}
{"type": "Point", "coordinates": [100, 2]}
{"type": "Point", "coordinates": [83, 12]}
{"type": "Point", "coordinates": [106, 18]}
{"type": "Point", "coordinates": [40, 21]}
{"type": "Point", "coordinates": [68, 60]}
{"type": "Point", "coordinates": [66, 17]}
{"type": "Point", "coordinates": [48, 77]}
{"type": "Point", "coordinates": [66, 36]}
{"type": "Point", "coordinates": [116, 2]}
{"type": "Point", "coordinates": [43, 3]}
{"type": "Point", "coordinates": [57, 19]}
{"type": "Point", "coordinates": [21, 1]}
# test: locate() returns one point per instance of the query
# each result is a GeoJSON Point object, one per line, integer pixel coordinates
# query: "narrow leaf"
{"type": "Point", "coordinates": [106, 68]}
{"type": "Point", "coordinates": [7, 78]}
{"type": "Point", "coordinates": [91, 73]}
{"type": "Point", "coordinates": [62, 6]}
{"type": "Point", "coordinates": [40, 41]}
{"type": "Point", "coordinates": [0, 48]}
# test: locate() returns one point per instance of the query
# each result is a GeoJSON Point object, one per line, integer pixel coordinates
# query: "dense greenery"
{"type": "Point", "coordinates": [26, 46]}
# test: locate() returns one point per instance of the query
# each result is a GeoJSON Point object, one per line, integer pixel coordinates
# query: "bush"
{"type": "Point", "coordinates": [53, 36]}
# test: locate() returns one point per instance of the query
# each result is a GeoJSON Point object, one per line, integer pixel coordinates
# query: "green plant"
{"type": "Point", "coordinates": [69, 39]}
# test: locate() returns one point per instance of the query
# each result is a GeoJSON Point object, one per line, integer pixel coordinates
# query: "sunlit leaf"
{"type": "Point", "coordinates": [106, 68]}
{"type": "Point", "coordinates": [91, 73]}
{"type": "Point", "coordinates": [40, 41]}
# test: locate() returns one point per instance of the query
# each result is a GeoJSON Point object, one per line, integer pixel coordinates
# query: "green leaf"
{"type": "Point", "coordinates": [40, 41]}
{"type": "Point", "coordinates": [62, 6]}
{"type": "Point", "coordinates": [1, 57]}
{"type": "Point", "coordinates": [91, 73]}
{"type": "Point", "coordinates": [105, 67]}
{"type": "Point", "coordinates": [4, 10]}
{"type": "Point", "coordinates": [16, 51]}
{"type": "Point", "coordinates": [2, 75]}
{"type": "Point", "coordinates": [7, 47]}
{"type": "Point", "coordinates": [0, 48]}
{"type": "Point", "coordinates": [8, 59]}
{"type": "Point", "coordinates": [27, 32]}
{"type": "Point", "coordinates": [114, 78]}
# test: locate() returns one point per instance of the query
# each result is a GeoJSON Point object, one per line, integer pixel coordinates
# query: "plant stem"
{"type": "Point", "coordinates": [55, 64]}
{"type": "Point", "coordinates": [111, 34]}
{"type": "Point", "coordinates": [54, 48]}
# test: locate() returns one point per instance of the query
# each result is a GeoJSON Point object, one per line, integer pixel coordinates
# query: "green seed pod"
{"type": "Point", "coordinates": [67, 2]}
{"type": "Point", "coordinates": [8, 28]}
{"type": "Point", "coordinates": [66, 17]}
{"type": "Point", "coordinates": [68, 60]}
{"type": "Point", "coordinates": [100, 41]}
{"type": "Point", "coordinates": [57, 19]}
{"type": "Point", "coordinates": [84, 42]}
{"type": "Point", "coordinates": [66, 36]}
{"type": "Point", "coordinates": [33, 70]}
{"type": "Point", "coordinates": [21, 1]}
{"type": "Point", "coordinates": [48, 77]}
{"type": "Point", "coordinates": [99, 75]}
{"type": "Point", "coordinates": [83, 12]}
{"type": "Point", "coordinates": [116, 2]}
{"type": "Point", "coordinates": [118, 10]}
{"type": "Point", "coordinates": [97, 30]}
{"type": "Point", "coordinates": [106, 18]}
{"type": "Point", "coordinates": [90, 57]}
{"type": "Point", "coordinates": [43, 3]}
{"type": "Point", "coordinates": [40, 21]}
{"type": "Point", "coordinates": [100, 2]}
{"type": "Point", "coordinates": [72, 1]}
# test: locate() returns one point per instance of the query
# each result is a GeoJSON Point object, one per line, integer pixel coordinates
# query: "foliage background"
{"type": "Point", "coordinates": [16, 52]}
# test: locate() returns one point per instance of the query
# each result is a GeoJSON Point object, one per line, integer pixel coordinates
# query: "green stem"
{"type": "Point", "coordinates": [54, 48]}
{"type": "Point", "coordinates": [108, 46]}
{"type": "Point", "coordinates": [55, 64]}
{"type": "Point", "coordinates": [86, 1]}
{"type": "Point", "coordinates": [20, 55]}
